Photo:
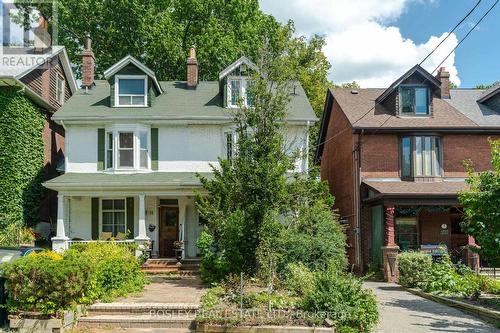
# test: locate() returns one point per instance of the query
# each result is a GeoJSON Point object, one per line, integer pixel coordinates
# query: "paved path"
{"type": "Point", "coordinates": [403, 312]}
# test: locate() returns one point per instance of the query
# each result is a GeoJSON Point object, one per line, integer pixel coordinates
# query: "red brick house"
{"type": "Point", "coordinates": [47, 80]}
{"type": "Point", "coordinates": [393, 160]}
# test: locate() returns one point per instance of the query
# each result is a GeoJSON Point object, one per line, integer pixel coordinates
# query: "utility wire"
{"type": "Point", "coordinates": [455, 27]}
{"type": "Point", "coordinates": [452, 30]}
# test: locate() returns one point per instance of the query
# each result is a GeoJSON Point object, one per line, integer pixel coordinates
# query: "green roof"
{"type": "Point", "coordinates": [176, 103]}
{"type": "Point", "coordinates": [150, 180]}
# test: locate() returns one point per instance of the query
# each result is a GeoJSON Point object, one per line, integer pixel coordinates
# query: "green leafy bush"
{"type": "Point", "coordinates": [114, 269]}
{"type": "Point", "coordinates": [441, 278]}
{"type": "Point", "coordinates": [299, 279]}
{"type": "Point", "coordinates": [413, 268]}
{"type": "Point", "coordinates": [46, 282]}
{"type": "Point", "coordinates": [344, 298]}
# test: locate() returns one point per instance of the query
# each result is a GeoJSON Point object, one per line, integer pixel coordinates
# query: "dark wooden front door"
{"type": "Point", "coordinates": [169, 230]}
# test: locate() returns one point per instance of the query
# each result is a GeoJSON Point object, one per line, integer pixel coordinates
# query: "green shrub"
{"type": "Point", "coordinates": [315, 238]}
{"type": "Point", "coordinates": [299, 279]}
{"type": "Point", "coordinates": [469, 285]}
{"type": "Point", "coordinates": [413, 268]}
{"type": "Point", "coordinates": [441, 278]}
{"type": "Point", "coordinates": [46, 282]}
{"type": "Point", "coordinates": [212, 267]}
{"type": "Point", "coordinates": [344, 298]}
{"type": "Point", "coordinates": [492, 286]}
{"type": "Point", "coordinates": [114, 269]}
{"type": "Point", "coordinates": [211, 297]}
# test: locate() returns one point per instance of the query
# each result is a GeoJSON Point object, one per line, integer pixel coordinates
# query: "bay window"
{"type": "Point", "coordinates": [127, 148]}
{"type": "Point", "coordinates": [421, 156]}
{"type": "Point", "coordinates": [130, 90]}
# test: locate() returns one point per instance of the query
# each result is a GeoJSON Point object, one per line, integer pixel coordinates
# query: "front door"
{"type": "Point", "coordinates": [169, 230]}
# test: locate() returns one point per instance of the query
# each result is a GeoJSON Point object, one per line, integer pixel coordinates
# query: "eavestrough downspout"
{"type": "Point", "coordinates": [357, 203]}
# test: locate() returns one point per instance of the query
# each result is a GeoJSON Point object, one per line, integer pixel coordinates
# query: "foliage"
{"type": "Point", "coordinates": [21, 159]}
{"type": "Point", "coordinates": [13, 235]}
{"type": "Point", "coordinates": [487, 86]}
{"type": "Point", "coordinates": [212, 297]}
{"type": "Point", "coordinates": [314, 238]}
{"type": "Point", "coordinates": [114, 269]}
{"type": "Point", "coordinates": [413, 267]}
{"type": "Point", "coordinates": [481, 202]}
{"type": "Point", "coordinates": [299, 279]}
{"type": "Point", "coordinates": [344, 298]}
{"type": "Point", "coordinates": [46, 282]}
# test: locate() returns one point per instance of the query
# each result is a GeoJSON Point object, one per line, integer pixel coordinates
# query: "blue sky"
{"type": "Point", "coordinates": [375, 41]}
{"type": "Point", "coordinates": [478, 57]}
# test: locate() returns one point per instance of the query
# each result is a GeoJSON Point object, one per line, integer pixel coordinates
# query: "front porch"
{"type": "Point", "coordinates": [163, 223]}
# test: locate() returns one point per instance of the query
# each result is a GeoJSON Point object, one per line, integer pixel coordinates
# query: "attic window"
{"type": "Point", "coordinates": [414, 100]}
{"type": "Point", "coordinates": [130, 91]}
{"type": "Point", "coordinates": [240, 90]}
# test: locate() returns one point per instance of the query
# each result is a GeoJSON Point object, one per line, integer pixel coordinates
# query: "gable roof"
{"type": "Point", "coordinates": [243, 60]}
{"type": "Point", "coordinates": [415, 69]}
{"type": "Point", "coordinates": [108, 73]}
{"type": "Point", "coordinates": [489, 93]}
{"type": "Point", "coordinates": [178, 103]}
{"type": "Point", "coordinates": [25, 63]}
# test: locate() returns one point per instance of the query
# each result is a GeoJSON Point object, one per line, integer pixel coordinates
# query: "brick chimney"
{"type": "Point", "coordinates": [88, 63]}
{"type": "Point", "coordinates": [444, 77]}
{"type": "Point", "coordinates": [192, 69]}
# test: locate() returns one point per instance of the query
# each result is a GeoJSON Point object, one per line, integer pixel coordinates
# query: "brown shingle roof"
{"type": "Point", "coordinates": [417, 188]}
{"type": "Point", "coordinates": [356, 105]}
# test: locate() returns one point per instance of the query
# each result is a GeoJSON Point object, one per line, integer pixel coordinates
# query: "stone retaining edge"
{"type": "Point", "coordinates": [487, 314]}
{"type": "Point", "coordinates": [261, 329]}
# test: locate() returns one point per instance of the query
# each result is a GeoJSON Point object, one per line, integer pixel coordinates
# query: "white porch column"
{"type": "Point", "coordinates": [182, 224]}
{"type": "Point", "coordinates": [141, 237]}
{"type": "Point", "coordinates": [60, 241]}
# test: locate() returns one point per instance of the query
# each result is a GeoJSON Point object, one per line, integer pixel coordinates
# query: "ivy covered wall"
{"type": "Point", "coordinates": [21, 158]}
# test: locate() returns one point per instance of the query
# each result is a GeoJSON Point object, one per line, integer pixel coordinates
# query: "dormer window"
{"type": "Point", "coordinates": [240, 91]}
{"type": "Point", "coordinates": [131, 90]}
{"type": "Point", "coordinates": [414, 100]}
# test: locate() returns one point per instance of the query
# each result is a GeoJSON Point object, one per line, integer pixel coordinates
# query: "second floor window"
{"type": "Point", "coordinates": [127, 149]}
{"type": "Point", "coordinates": [414, 101]}
{"type": "Point", "coordinates": [131, 91]}
{"type": "Point", "coordinates": [421, 156]}
{"type": "Point", "coordinates": [229, 146]}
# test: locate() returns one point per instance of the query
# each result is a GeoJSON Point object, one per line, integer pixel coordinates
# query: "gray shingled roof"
{"type": "Point", "coordinates": [176, 103]}
{"type": "Point", "coordinates": [416, 188]}
{"type": "Point", "coordinates": [465, 101]}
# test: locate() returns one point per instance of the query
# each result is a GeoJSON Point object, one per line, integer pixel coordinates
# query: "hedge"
{"type": "Point", "coordinates": [21, 158]}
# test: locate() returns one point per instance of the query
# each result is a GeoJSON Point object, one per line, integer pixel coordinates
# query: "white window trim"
{"type": "Point", "coordinates": [243, 90]}
{"type": "Point", "coordinates": [135, 129]}
{"type": "Point", "coordinates": [117, 88]}
{"type": "Point", "coordinates": [59, 78]}
{"type": "Point", "coordinates": [232, 131]}
{"type": "Point", "coordinates": [101, 211]}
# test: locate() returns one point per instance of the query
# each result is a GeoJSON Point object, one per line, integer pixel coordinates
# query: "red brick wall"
{"type": "Point", "coordinates": [337, 168]}
{"type": "Point", "coordinates": [380, 156]}
{"type": "Point", "coordinates": [457, 148]}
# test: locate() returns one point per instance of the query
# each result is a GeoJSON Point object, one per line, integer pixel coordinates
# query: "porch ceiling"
{"type": "Point", "coordinates": [122, 181]}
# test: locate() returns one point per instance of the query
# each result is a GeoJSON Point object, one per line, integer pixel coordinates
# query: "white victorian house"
{"type": "Point", "coordinates": [133, 147]}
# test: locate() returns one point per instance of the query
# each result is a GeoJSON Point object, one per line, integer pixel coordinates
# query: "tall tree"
{"type": "Point", "coordinates": [481, 206]}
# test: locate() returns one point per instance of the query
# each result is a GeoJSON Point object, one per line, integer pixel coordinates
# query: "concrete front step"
{"type": "Point", "coordinates": [163, 271]}
{"type": "Point", "coordinates": [137, 321]}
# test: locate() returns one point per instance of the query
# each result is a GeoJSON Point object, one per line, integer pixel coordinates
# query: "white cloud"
{"type": "Point", "coordinates": [362, 45]}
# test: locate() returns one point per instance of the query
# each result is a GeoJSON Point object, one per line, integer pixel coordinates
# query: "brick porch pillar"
{"type": "Point", "coordinates": [390, 249]}
{"type": "Point", "coordinates": [471, 257]}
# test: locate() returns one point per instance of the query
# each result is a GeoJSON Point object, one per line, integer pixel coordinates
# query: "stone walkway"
{"type": "Point", "coordinates": [403, 312]}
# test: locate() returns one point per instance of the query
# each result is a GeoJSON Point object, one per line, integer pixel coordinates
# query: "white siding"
{"type": "Point", "coordinates": [80, 223]}
{"type": "Point", "coordinates": [81, 149]}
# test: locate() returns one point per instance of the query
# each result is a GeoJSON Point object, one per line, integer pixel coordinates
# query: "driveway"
{"type": "Point", "coordinates": [403, 312]}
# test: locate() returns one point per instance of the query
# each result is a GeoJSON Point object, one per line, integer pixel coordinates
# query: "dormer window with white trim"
{"type": "Point", "coordinates": [131, 90]}
{"type": "Point", "coordinates": [414, 100]}
{"type": "Point", "coordinates": [240, 91]}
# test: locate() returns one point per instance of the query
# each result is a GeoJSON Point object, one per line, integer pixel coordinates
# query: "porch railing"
{"type": "Point", "coordinates": [125, 241]}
